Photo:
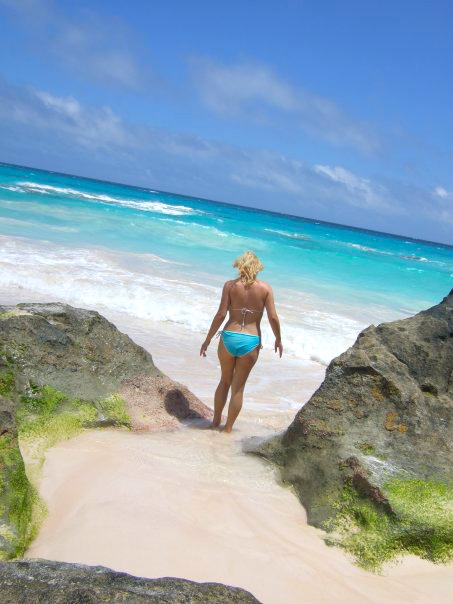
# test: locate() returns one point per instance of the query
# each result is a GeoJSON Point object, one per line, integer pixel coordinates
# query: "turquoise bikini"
{"type": "Point", "coordinates": [239, 344]}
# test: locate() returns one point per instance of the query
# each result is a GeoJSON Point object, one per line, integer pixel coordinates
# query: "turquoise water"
{"type": "Point", "coordinates": [165, 257]}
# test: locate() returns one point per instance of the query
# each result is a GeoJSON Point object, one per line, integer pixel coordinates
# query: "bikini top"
{"type": "Point", "coordinates": [244, 311]}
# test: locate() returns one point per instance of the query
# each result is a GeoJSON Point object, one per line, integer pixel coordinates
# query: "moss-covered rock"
{"type": "Point", "coordinates": [375, 441]}
{"type": "Point", "coordinates": [20, 507]}
{"type": "Point", "coordinates": [74, 350]}
{"type": "Point", "coordinates": [420, 523]}
{"type": "Point", "coordinates": [63, 369]}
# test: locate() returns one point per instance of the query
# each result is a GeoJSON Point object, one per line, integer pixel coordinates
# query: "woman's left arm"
{"type": "Point", "coordinates": [219, 317]}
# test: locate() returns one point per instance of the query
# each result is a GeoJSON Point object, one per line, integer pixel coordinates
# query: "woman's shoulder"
{"type": "Point", "coordinates": [263, 285]}
{"type": "Point", "coordinates": [230, 283]}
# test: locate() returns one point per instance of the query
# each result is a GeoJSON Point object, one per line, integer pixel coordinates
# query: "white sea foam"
{"type": "Point", "coordinates": [287, 234]}
{"type": "Point", "coordinates": [145, 206]}
{"type": "Point", "coordinates": [416, 258]}
{"type": "Point", "coordinates": [412, 257]}
{"type": "Point", "coordinates": [12, 188]}
{"type": "Point", "coordinates": [190, 234]}
{"type": "Point", "coordinates": [364, 248]}
{"type": "Point", "coordinates": [98, 278]}
{"type": "Point", "coordinates": [173, 220]}
{"type": "Point", "coordinates": [52, 227]}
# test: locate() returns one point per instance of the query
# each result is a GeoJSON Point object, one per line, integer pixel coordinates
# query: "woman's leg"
{"type": "Point", "coordinates": [241, 373]}
{"type": "Point", "coordinates": [227, 363]}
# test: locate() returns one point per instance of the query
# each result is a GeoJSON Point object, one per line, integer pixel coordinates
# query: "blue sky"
{"type": "Point", "coordinates": [332, 110]}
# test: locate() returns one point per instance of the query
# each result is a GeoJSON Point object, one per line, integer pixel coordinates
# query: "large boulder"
{"type": "Point", "coordinates": [38, 581]}
{"type": "Point", "coordinates": [80, 353]}
{"type": "Point", "coordinates": [382, 416]}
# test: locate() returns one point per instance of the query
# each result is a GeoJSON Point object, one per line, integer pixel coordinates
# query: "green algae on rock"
{"type": "Point", "coordinates": [373, 447]}
{"type": "Point", "coordinates": [46, 416]}
{"type": "Point", "coordinates": [421, 523]}
{"type": "Point", "coordinates": [21, 510]}
{"type": "Point", "coordinates": [35, 581]}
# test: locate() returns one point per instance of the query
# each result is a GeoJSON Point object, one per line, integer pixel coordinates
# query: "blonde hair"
{"type": "Point", "coordinates": [248, 266]}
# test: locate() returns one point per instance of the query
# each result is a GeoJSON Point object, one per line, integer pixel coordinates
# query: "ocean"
{"type": "Point", "coordinates": [164, 257]}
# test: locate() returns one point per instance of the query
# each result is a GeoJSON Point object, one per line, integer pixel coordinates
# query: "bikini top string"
{"type": "Point", "coordinates": [244, 311]}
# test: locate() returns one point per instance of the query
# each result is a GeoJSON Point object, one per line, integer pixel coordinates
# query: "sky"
{"type": "Point", "coordinates": [338, 111]}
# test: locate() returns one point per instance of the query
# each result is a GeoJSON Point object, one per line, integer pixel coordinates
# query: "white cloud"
{"type": "Point", "coordinates": [227, 89]}
{"type": "Point", "coordinates": [443, 204]}
{"type": "Point", "coordinates": [360, 191]}
{"type": "Point", "coordinates": [64, 117]}
{"type": "Point", "coordinates": [256, 93]}
{"type": "Point", "coordinates": [93, 46]}
{"type": "Point", "coordinates": [38, 124]}
{"type": "Point", "coordinates": [443, 193]}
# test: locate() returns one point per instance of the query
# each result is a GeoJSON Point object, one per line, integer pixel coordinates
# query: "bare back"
{"type": "Point", "coordinates": [246, 305]}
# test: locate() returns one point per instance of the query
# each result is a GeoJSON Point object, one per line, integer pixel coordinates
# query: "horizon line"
{"type": "Point", "coordinates": [298, 217]}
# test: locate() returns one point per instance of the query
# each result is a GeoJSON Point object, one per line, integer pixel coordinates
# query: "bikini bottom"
{"type": "Point", "coordinates": [239, 344]}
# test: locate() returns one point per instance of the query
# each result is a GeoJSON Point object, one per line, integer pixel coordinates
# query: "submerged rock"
{"type": "Point", "coordinates": [37, 581]}
{"type": "Point", "coordinates": [384, 413]}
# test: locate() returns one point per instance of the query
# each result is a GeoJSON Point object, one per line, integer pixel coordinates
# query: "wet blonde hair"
{"type": "Point", "coordinates": [248, 266]}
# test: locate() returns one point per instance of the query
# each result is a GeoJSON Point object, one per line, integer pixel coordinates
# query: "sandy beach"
{"type": "Point", "coordinates": [191, 503]}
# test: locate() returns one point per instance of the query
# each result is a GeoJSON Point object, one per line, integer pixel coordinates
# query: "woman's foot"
{"type": "Point", "coordinates": [215, 425]}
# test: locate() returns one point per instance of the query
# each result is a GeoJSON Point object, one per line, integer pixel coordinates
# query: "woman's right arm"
{"type": "Point", "coordinates": [273, 320]}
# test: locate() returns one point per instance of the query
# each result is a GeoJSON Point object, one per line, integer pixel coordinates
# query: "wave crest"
{"type": "Point", "coordinates": [146, 206]}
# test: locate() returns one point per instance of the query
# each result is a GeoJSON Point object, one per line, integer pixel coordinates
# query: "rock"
{"type": "Point", "coordinates": [38, 581]}
{"type": "Point", "coordinates": [16, 493]}
{"type": "Point", "coordinates": [7, 417]}
{"type": "Point", "coordinates": [71, 349]}
{"type": "Point", "coordinates": [383, 413]}
{"type": "Point", "coordinates": [63, 369]}
{"type": "Point", "coordinates": [157, 402]}
{"type": "Point", "coordinates": [80, 353]}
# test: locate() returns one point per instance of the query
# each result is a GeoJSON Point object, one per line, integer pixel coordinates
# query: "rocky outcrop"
{"type": "Point", "coordinates": [63, 369]}
{"type": "Point", "coordinates": [38, 581]}
{"type": "Point", "coordinates": [383, 413]}
{"type": "Point", "coordinates": [80, 353]}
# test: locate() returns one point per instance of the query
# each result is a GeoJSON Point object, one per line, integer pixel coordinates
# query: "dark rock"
{"type": "Point", "coordinates": [71, 349]}
{"type": "Point", "coordinates": [36, 581]}
{"type": "Point", "coordinates": [384, 411]}
{"type": "Point", "coordinates": [81, 354]}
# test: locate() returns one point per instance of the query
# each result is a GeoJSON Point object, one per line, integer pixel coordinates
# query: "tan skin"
{"type": "Point", "coordinates": [235, 370]}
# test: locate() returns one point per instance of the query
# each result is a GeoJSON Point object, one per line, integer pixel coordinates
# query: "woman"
{"type": "Point", "coordinates": [245, 298]}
